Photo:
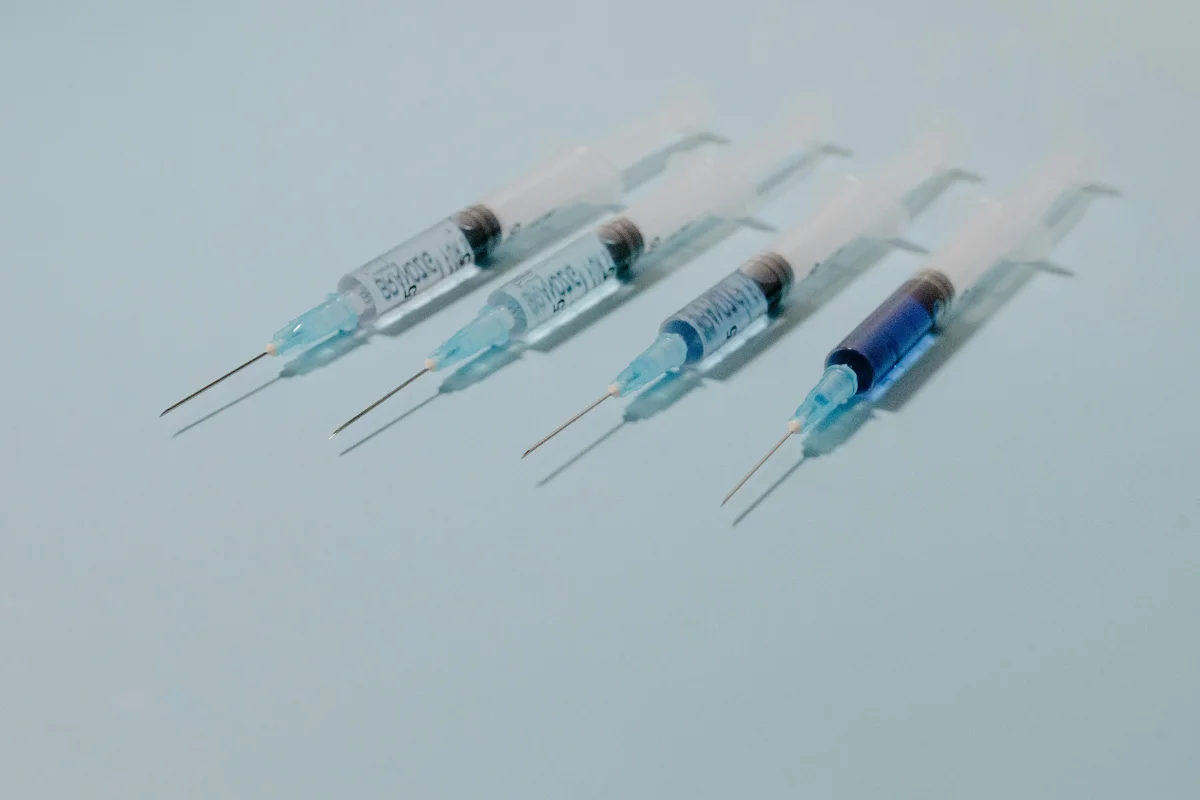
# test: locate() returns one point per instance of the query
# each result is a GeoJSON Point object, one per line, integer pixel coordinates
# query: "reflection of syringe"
{"type": "Point", "coordinates": [462, 244]}
{"type": "Point", "coordinates": [870, 209]}
{"type": "Point", "coordinates": [1024, 228]}
{"type": "Point", "coordinates": [727, 186]}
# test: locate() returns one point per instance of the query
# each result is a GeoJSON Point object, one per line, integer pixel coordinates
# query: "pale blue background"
{"type": "Point", "coordinates": [990, 594]}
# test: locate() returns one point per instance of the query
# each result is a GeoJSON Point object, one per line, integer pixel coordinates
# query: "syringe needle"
{"type": "Point", "coordinates": [374, 405]}
{"type": "Point", "coordinates": [770, 453]}
{"type": "Point", "coordinates": [568, 423]}
{"type": "Point", "coordinates": [204, 389]}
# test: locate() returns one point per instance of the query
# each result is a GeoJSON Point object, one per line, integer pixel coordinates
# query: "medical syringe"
{"type": "Point", "coordinates": [1024, 228]}
{"type": "Point", "coordinates": [463, 243]}
{"type": "Point", "coordinates": [872, 210]}
{"type": "Point", "coordinates": [722, 186]}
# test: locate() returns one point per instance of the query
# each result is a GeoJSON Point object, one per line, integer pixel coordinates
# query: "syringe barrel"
{"type": "Point", "coordinates": [595, 174]}
{"type": "Point", "coordinates": [567, 276]}
{"type": "Point", "coordinates": [894, 327]}
{"type": "Point", "coordinates": [400, 274]}
{"type": "Point", "coordinates": [708, 322]}
{"type": "Point", "coordinates": [726, 185]}
{"type": "Point", "coordinates": [872, 207]}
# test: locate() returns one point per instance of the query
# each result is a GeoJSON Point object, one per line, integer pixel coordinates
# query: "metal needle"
{"type": "Point", "coordinates": [263, 354]}
{"type": "Point", "coordinates": [568, 423]}
{"type": "Point", "coordinates": [371, 407]}
{"type": "Point", "coordinates": [770, 453]}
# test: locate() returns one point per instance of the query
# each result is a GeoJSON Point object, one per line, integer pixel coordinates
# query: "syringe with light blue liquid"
{"type": "Point", "coordinates": [464, 243]}
{"type": "Point", "coordinates": [1022, 229]}
{"type": "Point", "coordinates": [726, 185]}
{"type": "Point", "coordinates": [871, 212]}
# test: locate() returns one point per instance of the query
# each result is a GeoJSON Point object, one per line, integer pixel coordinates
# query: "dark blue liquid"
{"type": "Point", "coordinates": [892, 329]}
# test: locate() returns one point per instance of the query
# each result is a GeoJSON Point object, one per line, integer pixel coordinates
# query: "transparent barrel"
{"type": "Point", "coordinates": [730, 306]}
{"type": "Point", "coordinates": [556, 283]}
{"type": "Point", "coordinates": [400, 274]}
{"type": "Point", "coordinates": [716, 316]}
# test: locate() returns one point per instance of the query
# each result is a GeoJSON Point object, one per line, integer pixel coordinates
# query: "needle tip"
{"type": "Point", "coordinates": [568, 423]}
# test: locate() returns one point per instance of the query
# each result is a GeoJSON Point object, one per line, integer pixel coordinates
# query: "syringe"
{"type": "Point", "coordinates": [725, 186]}
{"type": "Point", "coordinates": [874, 210]}
{"type": "Point", "coordinates": [462, 244]}
{"type": "Point", "coordinates": [1022, 229]}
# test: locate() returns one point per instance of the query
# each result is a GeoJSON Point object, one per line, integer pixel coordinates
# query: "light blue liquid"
{"type": "Point", "coordinates": [697, 330]}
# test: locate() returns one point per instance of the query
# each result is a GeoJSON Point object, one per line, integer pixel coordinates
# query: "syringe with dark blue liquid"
{"type": "Point", "coordinates": [872, 211]}
{"type": "Point", "coordinates": [1022, 229]}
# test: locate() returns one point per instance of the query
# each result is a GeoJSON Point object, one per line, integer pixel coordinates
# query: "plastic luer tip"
{"type": "Point", "coordinates": [490, 329]}
{"type": "Point", "coordinates": [668, 352]}
{"type": "Point", "coordinates": [334, 315]}
{"type": "Point", "coordinates": [836, 387]}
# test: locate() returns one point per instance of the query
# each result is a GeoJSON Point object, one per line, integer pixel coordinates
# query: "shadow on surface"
{"type": "Point", "coordinates": [226, 407]}
{"type": "Point", "coordinates": [388, 425]}
{"type": "Point", "coordinates": [770, 490]}
{"type": "Point", "coordinates": [662, 394]}
{"type": "Point", "coordinates": [575, 459]}
{"type": "Point", "coordinates": [323, 354]}
{"type": "Point", "coordinates": [484, 365]}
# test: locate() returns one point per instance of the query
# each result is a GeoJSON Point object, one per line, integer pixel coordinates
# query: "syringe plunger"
{"type": "Point", "coordinates": [596, 174]}
{"type": "Point", "coordinates": [727, 186]}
